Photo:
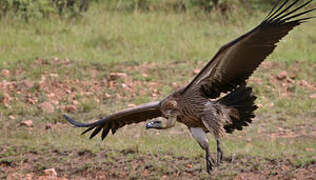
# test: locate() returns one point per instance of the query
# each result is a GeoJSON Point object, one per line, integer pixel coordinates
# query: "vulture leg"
{"type": "Point", "coordinates": [220, 153]}
{"type": "Point", "coordinates": [200, 136]}
{"type": "Point", "coordinates": [209, 163]}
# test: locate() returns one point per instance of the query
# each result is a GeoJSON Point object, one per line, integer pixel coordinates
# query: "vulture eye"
{"type": "Point", "coordinates": [156, 122]}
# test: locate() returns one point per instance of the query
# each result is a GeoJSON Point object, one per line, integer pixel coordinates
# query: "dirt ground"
{"type": "Point", "coordinates": [87, 165]}
{"type": "Point", "coordinates": [89, 94]}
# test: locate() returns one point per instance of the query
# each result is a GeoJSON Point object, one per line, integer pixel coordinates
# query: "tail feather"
{"type": "Point", "coordinates": [241, 100]}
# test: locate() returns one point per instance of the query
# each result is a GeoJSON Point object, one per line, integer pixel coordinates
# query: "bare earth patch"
{"type": "Point", "coordinates": [134, 165]}
{"type": "Point", "coordinates": [34, 95]}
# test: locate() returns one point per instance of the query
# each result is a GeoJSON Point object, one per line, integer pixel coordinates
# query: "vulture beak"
{"type": "Point", "coordinates": [162, 123]}
{"type": "Point", "coordinates": [155, 124]}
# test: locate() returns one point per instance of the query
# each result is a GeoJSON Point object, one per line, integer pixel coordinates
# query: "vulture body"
{"type": "Point", "coordinates": [197, 105]}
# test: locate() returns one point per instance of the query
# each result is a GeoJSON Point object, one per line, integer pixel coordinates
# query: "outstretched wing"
{"type": "Point", "coordinates": [113, 122]}
{"type": "Point", "coordinates": [237, 60]}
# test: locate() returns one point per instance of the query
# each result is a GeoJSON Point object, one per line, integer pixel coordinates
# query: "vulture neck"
{"type": "Point", "coordinates": [170, 122]}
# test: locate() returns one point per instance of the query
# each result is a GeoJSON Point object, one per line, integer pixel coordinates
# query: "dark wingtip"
{"type": "Point", "coordinates": [69, 119]}
{"type": "Point", "coordinates": [87, 130]}
{"type": "Point", "coordinates": [73, 122]}
{"type": "Point", "coordinates": [283, 16]}
{"type": "Point", "coordinates": [95, 132]}
{"type": "Point", "coordinates": [91, 126]}
{"type": "Point", "coordinates": [105, 131]}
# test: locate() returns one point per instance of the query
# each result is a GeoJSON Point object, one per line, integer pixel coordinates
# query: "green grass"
{"type": "Point", "coordinates": [150, 47]}
{"type": "Point", "coordinates": [107, 36]}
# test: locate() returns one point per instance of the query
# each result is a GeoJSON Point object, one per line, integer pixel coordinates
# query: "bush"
{"type": "Point", "coordinates": [42, 8]}
{"type": "Point", "coordinates": [184, 5]}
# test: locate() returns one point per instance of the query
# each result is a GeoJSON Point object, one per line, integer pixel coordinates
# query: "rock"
{"type": "Point", "coordinates": [5, 98]}
{"type": "Point", "coordinates": [124, 85]}
{"type": "Point", "coordinates": [27, 123]}
{"type": "Point", "coordinates": [256, 80]}
{"type": "Point", "coordinates": [50, 178]}
{"type": "Point", "coordinates": [303, 83]}
{"type": "Point", "coordinates": [312, 96]}
{"type": "Point", "coordinates": [55, 59]}
{"type": "Point", "coordinates": [68, 91]}
{"type": "Point", "coordinates": [48, 126]}
{"type": "Point", "coordinates": [145, 172]}
{"type": "Point", "coordinates": [282, 75]}
{"type": "Point", "coordinates": [291, 81]}
{"type": "Point", "coordinates": [196, 71]}
{"type": "Point", "coordinates": [189, 166]}
{"type": "Point", "coordinates": [306, 84]}
{"type": "Point", "coordinates": [244, 176]}
{"type": "Point", "coordinates": [54, 75]}
{"type": "Point", "coordinates": [174, 84]}
{"type": "Point", "coordinates": [47, 107]}
{"type": "Point", "coordinates": [50, 172]}
{"type": "Point", "coordinates": [270, 104]}
{"type": "Point", "coordinates": [29, 176]}
{"type": "Point", "coordinates": [292, 76]}
{"type": "Point", "coordinates": [70, 108]}
{"type": "Point", "coordinates": [25, 84]}
{"type": "Point", "coordinates": [131, 105]}
{"type": "Point", "coordinates": [115, 76]}
{"type": "Point", "coordinates": [309, 149]}
{"type": "Point", "coordinates": [75, 102]}
{"type": "Point", "coordinates": [5, 72]}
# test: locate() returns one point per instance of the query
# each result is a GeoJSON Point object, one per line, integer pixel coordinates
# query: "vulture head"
{"type": "Point", "coordinates": [170, 112]}
{"type": "Point", "coordinates": [156, 124]}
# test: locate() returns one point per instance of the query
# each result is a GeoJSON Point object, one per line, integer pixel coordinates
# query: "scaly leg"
{"type": "Point", "coordinates": [200, 136]}
{"type": "Point", "coordinates": [209, 161]}
{"type": "Point", "coordinates": [220, 153]}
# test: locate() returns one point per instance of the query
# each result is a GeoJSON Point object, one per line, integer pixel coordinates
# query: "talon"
{"type": "Point", "coordinates": [209, 165]}
{"type": "Point", "coordinates": [217, 163]}
{"type": "Point", "coordinates": [219, 159]}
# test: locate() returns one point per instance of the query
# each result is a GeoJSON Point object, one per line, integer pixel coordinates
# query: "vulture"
{"type": "Point", "coordinates": [217, 100]}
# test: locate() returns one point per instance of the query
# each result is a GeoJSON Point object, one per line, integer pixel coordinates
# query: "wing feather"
{"type": "Point", "coordinates": [117, 120]}
{"type": "Point", "coordinates": [237, 60]}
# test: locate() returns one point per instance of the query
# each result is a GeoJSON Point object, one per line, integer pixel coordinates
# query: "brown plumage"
{"type": "Point", "coordinates": [195, 105]}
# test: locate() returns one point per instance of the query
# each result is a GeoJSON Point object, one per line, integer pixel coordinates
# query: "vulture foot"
{"type": "Point", "coordinates": [209, 162]}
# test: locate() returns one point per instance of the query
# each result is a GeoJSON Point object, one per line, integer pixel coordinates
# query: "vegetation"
{"type": "Point", "coordinates": [42, 8]}
{"type": "Point", "coordinates": [72, 8]}
{"type": "Point", "coordinates": [110, 59]}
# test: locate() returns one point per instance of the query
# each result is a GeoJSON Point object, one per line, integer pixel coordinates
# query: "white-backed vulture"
{"type": "Point", "coordinates": [197, 104]}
